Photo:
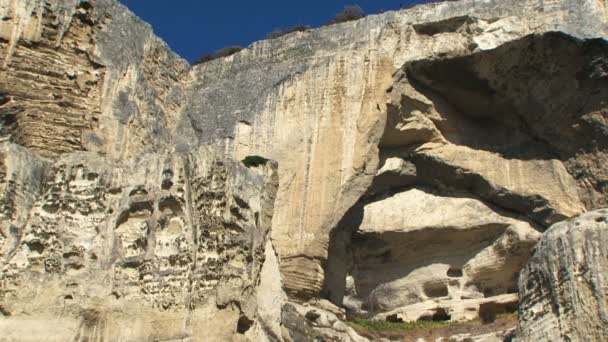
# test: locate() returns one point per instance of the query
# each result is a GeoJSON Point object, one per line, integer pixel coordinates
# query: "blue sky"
{"type": "Point", "coordinates": [195, 27]}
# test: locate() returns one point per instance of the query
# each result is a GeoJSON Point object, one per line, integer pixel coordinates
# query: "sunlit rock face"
{"type": "Point", "coordinates": [318, 102]}
{"type": "Point", "coordinates": [140, 250]}
{"type": "Point", "coordinates": [563, 286]}
{"type": "Point", "coordinates": [421, 154]}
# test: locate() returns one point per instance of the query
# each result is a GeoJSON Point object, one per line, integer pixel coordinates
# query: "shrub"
{"type": "Point", "coordinates": [227, 51]}
{"type": "Point", "coordinates": [282, 32]}
{"type": "Point", "coordinates": [205, 58]}
{"type": "Point", "coordinates": [254, 161]}
{"type": "Point", "coordinates": [349, 13]}
{"type": "Point", "coordinates": [223, 52]}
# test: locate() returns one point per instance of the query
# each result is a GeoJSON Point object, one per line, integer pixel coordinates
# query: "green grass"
{"type": "Point", "coordinates": [384, 325]}
{"type": "Point", "coordinates": [253, 161]}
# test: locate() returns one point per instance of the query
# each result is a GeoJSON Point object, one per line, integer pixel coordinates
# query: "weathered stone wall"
{"type": "Point", "coordinates": [158, 243]}
{"type": "Point", "coordinates": [86, 75]}
{"type": "Point", "coordinates": [115, 222]}
{"type": "Point", "coordinates": [563, 287]}
{"type": "Point", "coordinates": [316, 101]}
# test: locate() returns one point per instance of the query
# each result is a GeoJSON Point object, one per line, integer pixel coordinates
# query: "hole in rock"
{"type": "Point", "coordinates": [394, 318]}
{"type": "Point", "coordinates": [166, 184]}
{"type": "Point", "coordinates": [50, 208]}
{"type": "Point", "coordinates": [167, 180]}
{"type": "Point", "coordinates": [435, 290]}
{"type": "Point", "coordinates": [36, 246]}
{"type": "Point", "coordinates": [74, 266]}
{"type": "Point", "coordinates": [114, 191]}
{"type": "Point", "coordinates": [600, 219]}
{"type": "Point", "coordinates": [454, 272]}
{"type": "Point", "coordinates": [440, 315]}
{"type": "Point", "coordinates": [71, 254]}
{"type": "Point", "coordinates": [312, 315]}
{"type": "Point", "coordinates": [443, 26]}
{"type": "Point", "coordinates": [138, 192]}
{"type": "Point", "coordinates": [171, 205]}
{"type": "Point", "coordinates": [140, 207]}
{"type": "Point", "coordinates": [4, 311]}
{"type": "Point", "coordinates": [243, 324]}
{"type": "Point", "coordinates": [132, 263]}
{"type": "Point", "coordinates": [68, 297]}
{"type": "Point", "coordinates": [4, 99]}
{"type": "Point", "coordinates": [241, 202]}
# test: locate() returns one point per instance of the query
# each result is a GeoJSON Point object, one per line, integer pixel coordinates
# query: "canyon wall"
{"type": "Point", "coordinates": [421, 154]}
{"type": "Point", "coordinates": [318, 103]}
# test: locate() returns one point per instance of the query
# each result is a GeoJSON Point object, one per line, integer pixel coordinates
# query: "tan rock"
{"type": "Point", "coordinates": [421, 251]}
{"type": "Point", "coordinates": [131, 230]}
{"type": "Point", "coordinates": [166, 247]}
{"type": "Point", "coordinates": [563, 287]}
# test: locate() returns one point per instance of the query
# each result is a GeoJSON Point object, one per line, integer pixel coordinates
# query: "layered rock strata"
{"type": "Point", "coordinates": [86, 76]}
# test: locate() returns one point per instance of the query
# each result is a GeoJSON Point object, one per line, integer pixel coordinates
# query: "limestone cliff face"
{"type": "Point", "coordinates": [145, 249]}
{"type": "Point", "coordinates": [103, 82]}
{"type": "Point", "coordinates": [421, 155]}
{"type": "Point", "coordinates": [317, 102]}
{"type": "Point", "coordinates": [563, 286]}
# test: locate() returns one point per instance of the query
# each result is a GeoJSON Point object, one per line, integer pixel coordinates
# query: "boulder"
{"type": "Point", "coordinates": [564, 286]}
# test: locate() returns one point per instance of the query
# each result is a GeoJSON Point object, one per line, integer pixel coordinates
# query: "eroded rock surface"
{"type": "Point", "coordinates": [470, 175]}
{"type": "Point", "coordinates": [163, 247]}
{"type": "Point", "coordinates": [412, 262]}
{"type": "Point", "coordinates": [103, 82]}
{"type": "Point", "coordinates": [421, 152]}
{"type": "Point", "coordinates": [563, 287]}
{"type": "Point", "coordinates": [317, 103]}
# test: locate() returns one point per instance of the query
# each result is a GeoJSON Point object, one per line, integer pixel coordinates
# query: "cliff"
{"type": "Point", "coordinates": [421, 154]}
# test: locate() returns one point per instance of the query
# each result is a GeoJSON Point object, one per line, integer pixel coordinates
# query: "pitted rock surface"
{"type": "Point", "coordinates": [421, 154]}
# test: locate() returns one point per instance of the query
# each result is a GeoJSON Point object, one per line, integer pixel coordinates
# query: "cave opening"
{"type": "Point", "coordinates": [440, 315]}
{"type": "Point", "coordinates": [243, 324]}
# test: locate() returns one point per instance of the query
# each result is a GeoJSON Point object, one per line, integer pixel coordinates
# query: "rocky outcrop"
{"type": "Point", "coordinates": [563, 287]}
{"type": "Point", "coordinates": [317, 103]}
{"type": "Point", "coordinates": [421, 153]}
{"type": "Point", "coordinates": [470, 175]}
{"type": "Point", "coordinates": [169, 245]}
{"type": "Point", "coordinates": [411, 263]}
{"type": "Point", "coordinates": [86, 75]}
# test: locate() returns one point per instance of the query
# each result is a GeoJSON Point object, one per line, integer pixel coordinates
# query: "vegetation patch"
{"type": "Point", "coordinates": [283, 32]}
{"type": "Point", "coordinates": [254, 161]}
{"type": "Point", "coordinates": [223, 52]}
{"type": "Point", "coordinates": [384, 325]}
{"type": "Point", "coordinates": [349, 13]}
